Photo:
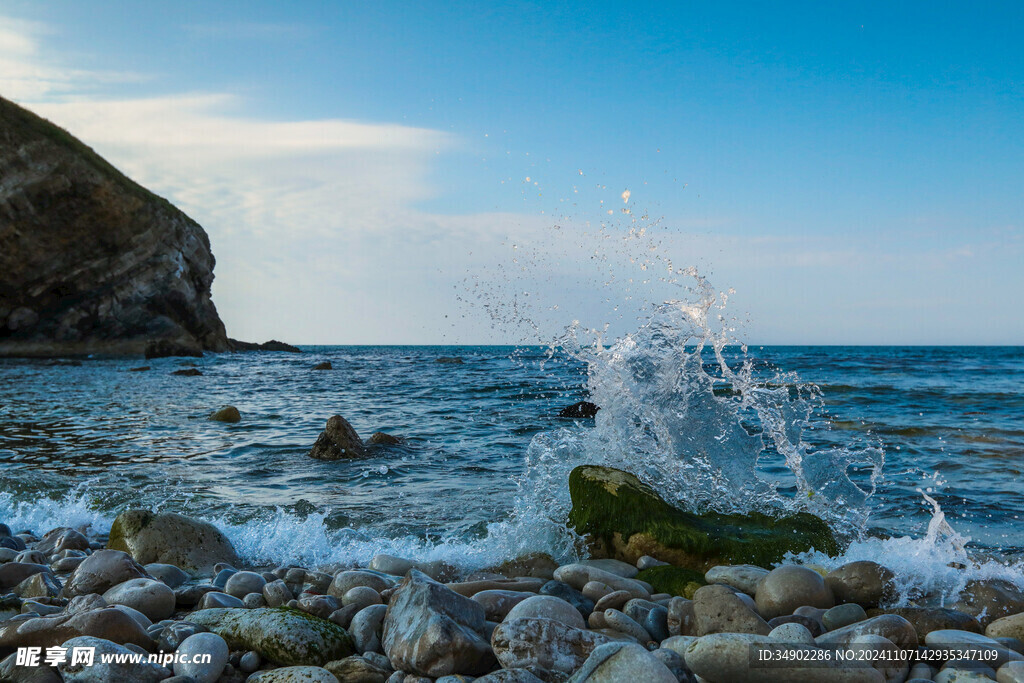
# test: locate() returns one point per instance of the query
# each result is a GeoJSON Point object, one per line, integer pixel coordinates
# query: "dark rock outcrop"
{"type": "Point", "coordinates": [91, 262]}
{"type": "Point", "coordinates": [583, 409]}
{"type": "Point", "coordinates": [272, 345]}
{"type": "Point", "coordinates": [338, 441]}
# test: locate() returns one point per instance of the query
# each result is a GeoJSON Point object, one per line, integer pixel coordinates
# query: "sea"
{"type": "Point", "coordinates": [913, 454]}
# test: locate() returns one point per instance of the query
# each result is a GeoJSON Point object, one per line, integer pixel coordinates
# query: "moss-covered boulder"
{"type": "Point", "coordinates": [625, 519]}
{"type": "Point", "coordinates": [673, 580]}
{"type": "Point", "coordinates": [169, 538]}
{"type": "Point", "coordinates": [281, 635]}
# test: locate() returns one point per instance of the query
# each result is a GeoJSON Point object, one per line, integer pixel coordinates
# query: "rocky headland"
{"type": "Point", "coordinates": [90, 261]}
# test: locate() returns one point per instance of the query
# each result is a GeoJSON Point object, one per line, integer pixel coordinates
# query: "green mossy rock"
{"type": "Point", "coordinates": [673, 580]}
{"type": "Point", "coordinates": [281, 635]}
{"type": "Point", "coordinates": [625, 519]}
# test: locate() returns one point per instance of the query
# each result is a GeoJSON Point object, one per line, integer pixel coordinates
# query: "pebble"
{"type": "Point", "coordinates": [276, 593]}
{"type": "Point", "coordinates": [865, 583]}
{"type": "Point", "coordinates": [153, 598]}
{"type": "Point", "coordinates": [249, 662]}
{"type": "Point", "coordinates": [613, 600]}
{"type": "Point", "coordinates": [572, 596]}
{"type": "Point", "coordinates": [203, 643]}
{"type": "Point", "coordinates": [241, 584]}
{"type": "Point", "coordinates": [365, 628]}
{"type": "Point", "coordinates": [788, 587]}
{"type": "Point", "coordinates": [362, 596]}
{"type": "Point", "coordinates": [168, 573]}
{"type": "Point", "coordinates": [623, 624]}
{"type": "Point", "coordinates": [743, 577]}
{"type": "Point", "coordinates": [843, 615]}
{"type": "Point", "coordinates": [497, 603]}
{"type": "Point", "coordinates": [218, 599]}
{"type": "Point", "coordinates": [646, 562]}
{"type": "Point", "coordinates": [594, 590]}
{"type": "Point", "coordinates": [253, 600]}
{"type": "Point", "coordinates": [717, 609]}
{"type": "Point", "coordinates": [547, 607]}
{"type": "Point", "coordinates": [792, 632]}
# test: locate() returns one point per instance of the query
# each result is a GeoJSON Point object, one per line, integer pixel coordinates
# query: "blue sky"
{"type": "Point", "coordinates": [854, 171]}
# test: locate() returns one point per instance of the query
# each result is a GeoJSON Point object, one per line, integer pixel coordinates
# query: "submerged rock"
{"type": "Point", "coordinates": [226, 414]}
{"type": "Point", "coordinates": [279, 634]}
{"type": "Point", "coordinates": [272, 345]}
{"type": "Point", "coordinates": [626, 519]}
{"type": "Point", "coordinates": [326, 365]}
{"type": "Point", "coordinates": [383, 439]}
{"type": "Point", "coordinates": [188, 372]}
{"type": "Point", "coordinates": [170, 538]}
{"type": "Point", "coordinates": [582, 409]}
{"type": "Point", "coordinates": [338, 441]}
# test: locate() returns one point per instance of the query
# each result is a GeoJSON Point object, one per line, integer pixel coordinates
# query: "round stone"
{"type": "Point", "coordinates": [843, 615]}
{"type": "Point", "coordinates": [362, 596]}
{"type": "Point", "coordinates": [153, 598]}
{"type": "Point", "coordinates": [241, 584]}
{"type": "Point", "coordinates": [789, 587]}
{"type": "Point", "coordinates": [547, 607]}
{"type": "Point", "coordinates": [198, 646]}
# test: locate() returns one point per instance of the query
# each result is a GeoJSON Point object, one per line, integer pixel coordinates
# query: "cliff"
{"type": "Point", "coordinates": [91, 262]}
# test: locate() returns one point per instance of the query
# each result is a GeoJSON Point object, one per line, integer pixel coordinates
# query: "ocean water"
{"type": "Point", "coordinates": [913, 453]}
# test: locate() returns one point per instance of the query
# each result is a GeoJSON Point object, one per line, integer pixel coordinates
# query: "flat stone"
{"type": "Point", "coordinates": [618, 621]}
{"type": "Point", "coordinates": [742, 577]}
{"type": "Point", "coordinates": [578, 575]}
{"type": "Point", "coordinates": [617, 567]}
{"type": "Point", "coordinates": [843, 615]}
{"type": "Point", "coordinates": [646, 562]}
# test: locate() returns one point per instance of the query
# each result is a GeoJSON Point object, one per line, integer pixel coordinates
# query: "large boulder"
{"type": "Point", "coordinates": [91, 262]}
{"type": "Point", "coordinates": [170, 538]}
{"type": "Point", "coordinates": [109, 623]}
{"type": "Point", "coordinates": [626, 519]}
{"type": "Point", "coordinates": [338, 441]}
{"type": "Point", "coordinates": [432, 631]}
{"type": "Point", "coordinates": [279, 634]}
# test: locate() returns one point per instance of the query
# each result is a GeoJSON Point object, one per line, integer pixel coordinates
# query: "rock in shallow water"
{"type": "Point", "coordinates": [226, 414]}
{"type": "Point", "coordinates": [338, 441]}
{"type": "Point", "coordinates": [432, 631]}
